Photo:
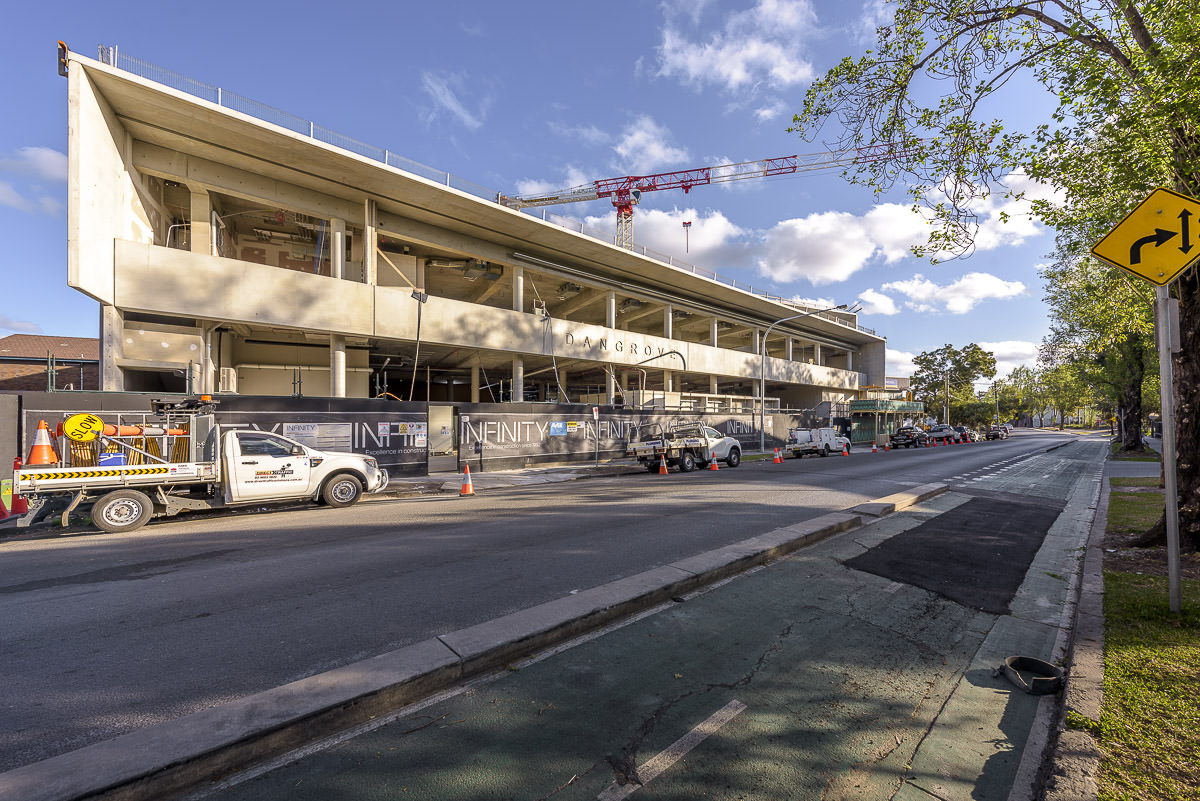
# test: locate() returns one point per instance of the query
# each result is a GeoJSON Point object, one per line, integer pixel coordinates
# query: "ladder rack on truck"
{"type": "Point", "coordinates": [177, 457]}
{"type": "Point", "coordinates": [683, 444]}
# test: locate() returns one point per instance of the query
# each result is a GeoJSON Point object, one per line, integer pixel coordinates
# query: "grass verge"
{"type": "Point", "coordinates": [1133, 511]}
{"type": "Point", "coordinates": [1151, 710]}
{"type": "Point", "coordinates": [1115, 452]}
{"type": "Point", "coordinates": [1133, 481]}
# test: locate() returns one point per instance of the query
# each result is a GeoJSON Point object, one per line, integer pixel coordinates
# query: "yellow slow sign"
{"type": "Point", "coordinates": [83, 427]}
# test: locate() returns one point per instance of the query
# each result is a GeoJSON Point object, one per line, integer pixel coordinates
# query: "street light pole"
{"type": "Point", "coordinates": [762, 371]}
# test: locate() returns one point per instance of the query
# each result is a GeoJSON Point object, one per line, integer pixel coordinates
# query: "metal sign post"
{"type": "Point", "coordinates": [1166, 345]}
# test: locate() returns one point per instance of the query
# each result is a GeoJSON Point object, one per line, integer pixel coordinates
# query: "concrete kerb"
{"type": "Point", "coordinates": [183, 755]}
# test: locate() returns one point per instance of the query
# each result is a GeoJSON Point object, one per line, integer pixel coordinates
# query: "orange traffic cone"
{"type": "Point", "coordinates": [712, 465]}
{"type": "Point", "coordinates": [873, 448]}
{"type": "Point", "coordinates": [19, 506]}
{"type": "Point", "coordinates": [778, 457]}
{"type": "Point", "coordinates": [42, 452]}
{"type": "Point", "coordinates": [662, 466]}
{"type": "Point", "coordinates": [887, 446]}
{"type": "Point", "coordinates": [845, 450]}
{"type": "Point", "coordinates": [467, 487]}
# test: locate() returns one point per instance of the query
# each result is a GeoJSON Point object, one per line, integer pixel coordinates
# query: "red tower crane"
{"type": "Point", "coordinates": [627, 191]}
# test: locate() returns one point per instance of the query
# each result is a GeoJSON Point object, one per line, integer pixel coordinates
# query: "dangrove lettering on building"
{"type": "Point", "coordinates": [617, 345]}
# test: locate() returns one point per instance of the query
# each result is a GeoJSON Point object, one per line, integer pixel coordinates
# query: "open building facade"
{"type": "Point", "coordinates": [236, 249]}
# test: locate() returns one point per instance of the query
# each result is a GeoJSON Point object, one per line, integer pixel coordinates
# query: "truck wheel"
{"type": "Point", "coordinates": [651, 467]}
{"type": "Point", "coordinates": [342, 490]}
{"type": "Point", "coordinates": [734, 458]}
{"type": "Point", "coordinates": [824, 450]}
{"type": "Point", "coordinates": [122, 510]}
{"type": "Point", "coordinates": [687, 462]}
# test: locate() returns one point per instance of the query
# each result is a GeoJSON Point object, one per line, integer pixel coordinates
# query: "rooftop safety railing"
{"type": "Point", "coordinates": [111, 56]}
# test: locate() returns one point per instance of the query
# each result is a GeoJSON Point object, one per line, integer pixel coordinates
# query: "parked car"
{"type": "Point", "coordinates": [909, 437]}
{"type": "Point", "coordinates": [966, 434]}
{"type": "Point", "coordinates": [996, 432]}
{"type": "Point", "coordinates": [942, 435]}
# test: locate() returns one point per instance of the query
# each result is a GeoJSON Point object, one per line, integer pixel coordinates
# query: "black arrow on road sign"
{"type": "Point", "coordinates": [1158, 237]}
{"type": "Point", "coordinates": [1184, 216]}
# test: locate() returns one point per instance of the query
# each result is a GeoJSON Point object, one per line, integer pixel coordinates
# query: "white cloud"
{"type": "Point", "coordinates": [711, 239]}
{"type": "Point", "coordinates": [877, 303]}
{"type": "Point", "coordinates": [11, 197]}
{"type": "Point", "coordinates": [830, 246]}
{"type": "Point", "coordinates": [899, 363]}
{"type": "Point", "coordinates": [1011, 353]}
{"type": "Point", "coordinates": [768, 113]}
{"type": "Point", "coordinates": [958, 297]}
{"type": "Point", "coordinates": [752, 47]}
{"type": "Point", "coordinates": [815, 303]}
{"type": "Point", "coordinates": [22, 326]}
{"type": "Point", "coordinates": [444, 90]}
{"type": "Point", "coordinates": [645, 148]}
{"type": "Point", "coordinates": [39, 162]}
{"type": "Point", "coordinates": [587, 134]}
{"type": "Point", "coordinates": [573, 176]}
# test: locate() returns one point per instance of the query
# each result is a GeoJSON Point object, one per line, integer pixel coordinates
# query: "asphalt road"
{"type": "Point", "coordinates": [107, 633]}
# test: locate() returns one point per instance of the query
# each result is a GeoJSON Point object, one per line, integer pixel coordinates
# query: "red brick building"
{"type": "Point", "coordinates": [26, 359]}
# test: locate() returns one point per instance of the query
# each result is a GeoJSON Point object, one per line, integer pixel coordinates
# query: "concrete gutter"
{"type": "Point", "coordinates": [186, 754]}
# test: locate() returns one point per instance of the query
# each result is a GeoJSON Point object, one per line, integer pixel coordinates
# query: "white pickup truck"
{"type": "Point", "coordinates": [820, 441]}
{"type": "Point", "coordinates": [684, 445]}
{"type": "Point", "coordinates": [178, 458]}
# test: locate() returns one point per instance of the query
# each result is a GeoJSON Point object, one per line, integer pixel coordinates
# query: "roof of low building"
{"type": "Point", "coordinates": [37, 346]}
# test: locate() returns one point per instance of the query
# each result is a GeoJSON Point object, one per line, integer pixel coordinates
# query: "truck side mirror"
{"type": "Point", "coordinates": [298, 450]}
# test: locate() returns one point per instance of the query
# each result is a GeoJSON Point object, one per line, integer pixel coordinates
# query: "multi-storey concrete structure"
{"type": "Point", "coordinates": [231, 253]}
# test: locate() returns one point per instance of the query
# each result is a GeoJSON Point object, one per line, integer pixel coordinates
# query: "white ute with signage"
{"type": "Point", "coordinates": [685, 445]}
{"type": "Point", "coordinates": [178, 458]}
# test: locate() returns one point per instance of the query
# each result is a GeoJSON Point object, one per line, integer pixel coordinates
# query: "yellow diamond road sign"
{"type": "Point", "coordinates": [1157, 240]}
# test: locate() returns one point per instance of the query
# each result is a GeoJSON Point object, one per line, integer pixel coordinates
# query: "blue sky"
{"type": "Point", "coordinates": [530, 96]}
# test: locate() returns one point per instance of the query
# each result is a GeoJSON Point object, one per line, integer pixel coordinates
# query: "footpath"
{"type": "Point", "coordinates": [982, 740]}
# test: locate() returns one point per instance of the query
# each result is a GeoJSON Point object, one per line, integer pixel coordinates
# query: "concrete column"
{"type": "Point", "coordinates": [370, 242]}
{"type": "Point", "coordinates": [756, 340]}
{"type": "Point", "coordinates": [849, 360]}
{"type": "Point", "coordinates": [561, 387]}
{"type": "Point", "coordinates": [610, 310]}
{"type": "Point", "coordinates": [668, 381]}
{"type": "Point", "coordinates": [518, 289]}
{"type": "Point", "coordinates": [625, 381]}
{"type": "Point", "coordinates": [668, 322]}
{"type": "Point", "coordinates": [816, 353]}
{"type": "Point", "coordinates": [112, 341]}
{"type": "Point", "coordinates": [610, 387]}
{"type": "Point", "coordinates": [518, 378]}
{"type": "Point", "coordinates": [712, 332]}
{"type": "Point", "coordinates": [337, 249]}
{"type": "Point", "coordinates": [713, 386]}
{"type": "Point", "coordinates": [337, 365]}
{"type": "Point", "coordinates": [420, 276]}
{"type": "Point", "coordinates": [788, 349]}
{"type": "Point", "coordinates": [474, 383]}
{"type": "Point", "coordinates": [200, 233]}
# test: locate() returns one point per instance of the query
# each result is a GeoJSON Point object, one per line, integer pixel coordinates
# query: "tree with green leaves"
{"type": "Point", "coordinates": [1126, 80]}
{"type": "Point", "coordinates": [948, 375]}
{"type": "Point", "coordinates": [1106, 316]}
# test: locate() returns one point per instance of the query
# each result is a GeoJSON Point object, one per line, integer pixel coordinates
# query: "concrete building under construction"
{"type": "Point", "coordinates": [234, 248]}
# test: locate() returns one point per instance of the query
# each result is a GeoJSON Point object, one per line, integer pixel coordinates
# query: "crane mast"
{"type": "Point", "coordinates": [626, 191]}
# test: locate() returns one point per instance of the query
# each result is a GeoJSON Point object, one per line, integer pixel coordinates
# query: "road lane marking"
{"type": "Point", "coordinates": [656, 765]}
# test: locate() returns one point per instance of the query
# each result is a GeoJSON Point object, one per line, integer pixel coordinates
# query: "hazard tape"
{"type": "Point", "coordinates": [129, 471]}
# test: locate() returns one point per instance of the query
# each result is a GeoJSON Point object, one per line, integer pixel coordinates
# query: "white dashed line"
{"type": "Point", "coordinates": [654, 767]}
